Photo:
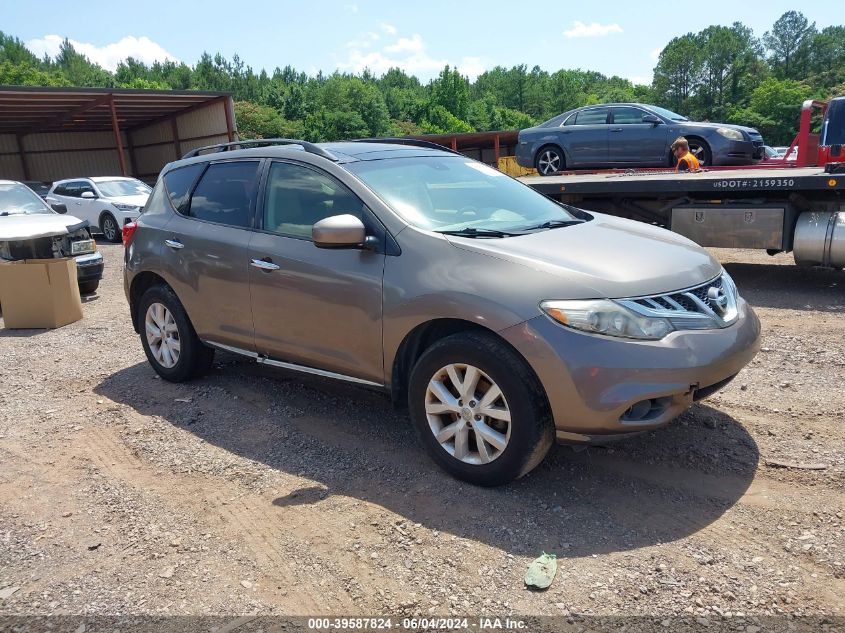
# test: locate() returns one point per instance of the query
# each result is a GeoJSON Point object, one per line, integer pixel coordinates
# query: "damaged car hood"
{"type": "Point", "coordinates": [35, 225]}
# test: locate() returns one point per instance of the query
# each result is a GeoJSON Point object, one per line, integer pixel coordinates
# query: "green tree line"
{"type": "Point", "coordinates": [723, 73]}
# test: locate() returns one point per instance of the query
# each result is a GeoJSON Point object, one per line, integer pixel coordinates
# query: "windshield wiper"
{"type": "Point", "coordinates": [554, 224]}
{"type": "Point", "coordinates": [471, 231]}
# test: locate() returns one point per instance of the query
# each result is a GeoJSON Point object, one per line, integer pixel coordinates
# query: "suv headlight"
{"type": "Point", "coordinates": [603, 316]}
{"type": "Point", "coordinates": [734, 135]}
{"type": "Point", "coordinates": [130, 208]}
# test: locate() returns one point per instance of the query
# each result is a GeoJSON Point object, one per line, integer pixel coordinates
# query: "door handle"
{"type": "Point", "coordinates": [174, 244]}
{"type": "Point", "coordinates": [616, 129]}
{"type": "Point", "coordinates": [264, 264]}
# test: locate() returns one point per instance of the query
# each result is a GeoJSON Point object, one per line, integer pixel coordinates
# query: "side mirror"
{"type": "Point", "coordinates": [339, 231]}
{"type": "Point", "coordinates": [651, 118]}
{"type": "Point", "coordinates": [59, 207]}
{"type": "Point", "coordinates": [88, 195]}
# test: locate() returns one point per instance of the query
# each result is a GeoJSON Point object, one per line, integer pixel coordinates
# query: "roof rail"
{"type": "Point", "coordinates": [404, 140]}
{"type": "Point", "coordinates": [260, 142]}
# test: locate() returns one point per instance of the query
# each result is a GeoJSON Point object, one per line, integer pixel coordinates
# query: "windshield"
{"type": "Point", "coordinates": [116, 188]}
{"type": "Point", "coordinates": [16, 199]}
{"type": "Point", "coordinates": [451, 193]}
{"type": "Point", "coordinates": [668, 114]}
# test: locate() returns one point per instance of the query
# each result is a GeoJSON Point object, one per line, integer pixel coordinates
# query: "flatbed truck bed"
{"type": "Point", "coordinates": [798, 209]}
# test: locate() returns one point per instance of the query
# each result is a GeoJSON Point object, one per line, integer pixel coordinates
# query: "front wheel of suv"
{"type": "Point", "coordinates": [479, 410]}
{"type": "Point", "coordinates": [109, 228]}
{"type": "Point", "coordinates": [170, 342]}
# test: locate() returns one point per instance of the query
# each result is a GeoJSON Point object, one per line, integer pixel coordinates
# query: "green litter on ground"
{"type": "Point", "coordinates": [541, 572]}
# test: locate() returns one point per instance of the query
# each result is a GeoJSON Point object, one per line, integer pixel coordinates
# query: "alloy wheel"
{"type": "Point", "coordinates": [697, 150]}
{"type": "Point", "coordinates": [468, 414]}
{"type": "Point", "coordinates": [162, 335]}
{"type": "Point", "coordinates": [549, 162]}
{"type": "Point", "coordinates": [109, 229]}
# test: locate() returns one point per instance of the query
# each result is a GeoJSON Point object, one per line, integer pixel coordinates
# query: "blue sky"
{"type": "Point", "coordinates": [420, 37]}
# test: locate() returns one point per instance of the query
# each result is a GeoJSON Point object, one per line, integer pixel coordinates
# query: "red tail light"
{"type": "Point", "coordinates": [128, 232]}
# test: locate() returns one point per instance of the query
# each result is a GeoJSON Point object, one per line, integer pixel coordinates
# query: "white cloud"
{"type": "Point", "coordinates": [108, 56]}
{"type": "Point", "coordinates": [414, 43]}
{"type": "Point", "coordinates": [352, 8]}
{"type": "Point", "coordinates": [579, 29]}
{"type": "Point", "coordinates": [655, 54]}
{"type": "Point", "coordinates": [388, 28]}
{"type": "Point", "coordinates": [407, 53]}
{"type": "Point", "coordinates": [365, 41]}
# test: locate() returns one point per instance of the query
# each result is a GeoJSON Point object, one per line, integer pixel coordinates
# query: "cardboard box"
{"type": "Point", "coordinates": [39, 293]}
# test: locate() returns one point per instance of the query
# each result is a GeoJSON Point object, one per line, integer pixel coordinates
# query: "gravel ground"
{"type": "Point", "coordinates": [256, 491]}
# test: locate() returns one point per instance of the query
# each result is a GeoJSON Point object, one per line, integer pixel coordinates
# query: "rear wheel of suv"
{"type": "Point", "coordinates": [479, 410]}
{"type": "Point", "coordinates": [170, 342]}
{"type": "Point", "coordinates": [109, 228]}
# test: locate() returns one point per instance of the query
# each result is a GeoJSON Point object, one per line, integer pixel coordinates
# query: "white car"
{"type": "Point", "coordinates": [782, 149]}
{"type": "Point", "coordinates": [107, 202]}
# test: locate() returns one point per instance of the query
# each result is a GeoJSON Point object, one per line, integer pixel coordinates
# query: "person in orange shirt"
{"type": "Point", "coordinates": [686, 160]}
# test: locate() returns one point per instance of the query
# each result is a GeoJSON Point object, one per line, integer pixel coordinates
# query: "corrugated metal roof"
{"type": "Point", "coordinates": [24, 110]}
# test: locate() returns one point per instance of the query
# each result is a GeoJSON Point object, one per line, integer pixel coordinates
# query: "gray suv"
{"type": "Point", "coordinates": [502, 319]}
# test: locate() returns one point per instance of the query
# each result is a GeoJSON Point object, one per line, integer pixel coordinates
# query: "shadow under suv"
{"type": "Point", "coordinates": [502, 319]}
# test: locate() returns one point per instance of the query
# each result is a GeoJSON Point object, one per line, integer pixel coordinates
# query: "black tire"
{"type": "Point", "coordinates": [531, 427]}
{"type": "Point", "coordinates": [88, 287]}
{"type": "Point", "coordinates": [195, 358]}
{"type": "Point", "coordinates": [549, 160]}
{"type": "Point", "coordinates": [110, 228]}
{"type": "Point", "coordinates": [701, 150]}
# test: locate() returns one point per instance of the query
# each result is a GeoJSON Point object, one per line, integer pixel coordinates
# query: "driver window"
{"type": "Point", "coordinates": [297, 197]}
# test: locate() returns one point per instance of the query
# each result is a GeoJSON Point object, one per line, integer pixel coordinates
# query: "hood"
{"type": "Point", "coordinates": [29, 227]}
{"type": "Point", "coordinates": [712, 126]}
{"type": "Point", "coordinates": [607, 257]}
{"type": "Point", "coordinates": [138, 200]}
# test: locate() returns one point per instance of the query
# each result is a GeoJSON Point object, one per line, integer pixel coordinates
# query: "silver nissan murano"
{"type": "Point", "coordinates": [503, 320]}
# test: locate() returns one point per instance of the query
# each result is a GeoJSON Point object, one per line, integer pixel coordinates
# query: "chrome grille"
{"type": "Point", "coordinates": [712, 304]}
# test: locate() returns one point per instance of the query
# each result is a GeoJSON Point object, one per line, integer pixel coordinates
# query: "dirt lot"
{"type": "Point", "coordinates": [254, 491]}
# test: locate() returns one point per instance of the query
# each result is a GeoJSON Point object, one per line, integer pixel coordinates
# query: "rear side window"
{"type": "Point", "coordinates": [179, 183]}
{"type": "Point", "coordinates": [596, 116]}
{"type": "Point", "coordinates": [226, 193]}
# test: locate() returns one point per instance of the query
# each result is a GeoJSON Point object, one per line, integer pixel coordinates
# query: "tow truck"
{"type": "Point", "coordinates": [776, 205]}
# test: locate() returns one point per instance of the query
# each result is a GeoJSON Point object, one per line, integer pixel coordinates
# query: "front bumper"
{"type": "Point", "coordinates": [89, 267]}
{"type": "Point", "coordinates": [739, 153]}
{"type": "Point", "coordinates": [593, 382]}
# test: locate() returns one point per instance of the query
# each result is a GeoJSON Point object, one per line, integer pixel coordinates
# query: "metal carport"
{"type": "Point", "coordinates": [53, 133]}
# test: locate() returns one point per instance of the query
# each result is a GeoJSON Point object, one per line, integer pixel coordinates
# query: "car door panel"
{"type": "Point", "coordinates": [586, 138]}
{"type": "Point", "coordinates": [321, 308]}
{"type": "Point", "coordinates": [208, 259]}
{"type": "Point", "coordinates": [632, 142]}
